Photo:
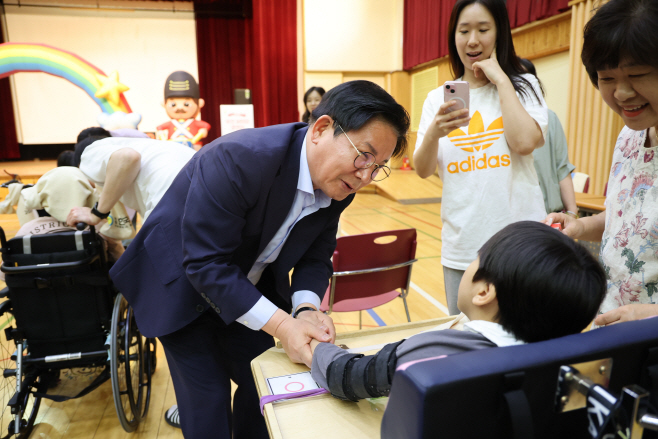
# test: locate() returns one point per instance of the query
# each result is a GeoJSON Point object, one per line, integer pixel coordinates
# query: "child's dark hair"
{"type": "Point", "coordinates": [506, 54]}
{"type": "Point", "coordinates": [93, 132]}
{"type": "Point", "coordinates": [547, 285]}
{"type": "Point", "coordinates": [81, 146]}
{"type": "Point", "coordinates": [66, 158]}
{"type": "Point", "coordinates": [307, 114]}
{"type": "Point", "coordinates": [621, 31]}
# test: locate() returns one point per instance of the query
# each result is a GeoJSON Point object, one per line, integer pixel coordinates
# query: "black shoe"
{"type": "Point", "coordinates": [172, 417]}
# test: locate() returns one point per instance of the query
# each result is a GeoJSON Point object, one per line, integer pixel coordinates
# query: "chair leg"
{"type": "Point", "coordinates": [360, 318]}
{"type": "Point", "coordinates": [406, 308]}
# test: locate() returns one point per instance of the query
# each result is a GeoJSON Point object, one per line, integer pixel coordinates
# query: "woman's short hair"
{"type": "Point", "coordinates": [547, 285]}
{"type": "Point", "coordinates": [621, 31]}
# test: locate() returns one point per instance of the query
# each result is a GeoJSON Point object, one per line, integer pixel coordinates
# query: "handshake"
{"type": "Point", "coordinates": [296, 334]}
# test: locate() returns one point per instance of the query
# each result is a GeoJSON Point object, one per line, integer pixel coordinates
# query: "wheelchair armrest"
{"type": "Point", "coordinates": [4, 292]}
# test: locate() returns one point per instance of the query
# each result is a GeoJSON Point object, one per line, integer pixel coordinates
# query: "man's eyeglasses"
{"type": "Point", "coordinates": [365, 160]}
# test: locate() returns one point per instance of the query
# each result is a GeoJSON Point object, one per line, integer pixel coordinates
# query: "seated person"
{"type": "Point", "coordinates": [530, 283]}
{"type": "Point", "coordinates": [43, 208]}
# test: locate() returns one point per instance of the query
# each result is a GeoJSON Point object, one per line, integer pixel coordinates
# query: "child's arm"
{"type": "Point", "coordinates": [353, 376]}
{"type": "Point", "coordinates": [367, 376]}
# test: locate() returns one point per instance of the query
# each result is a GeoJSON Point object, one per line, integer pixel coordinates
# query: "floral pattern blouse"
{"type": "Point", "coordinates": [629, 247]}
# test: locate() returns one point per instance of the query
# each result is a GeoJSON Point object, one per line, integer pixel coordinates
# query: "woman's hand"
{"type": "Point", "coordinates": [490, 69]}
{"type": "Point", "coordinates": [570, 225]}
{"type": "Point", "coordinates": [446, 121]}
{"type": "Point", "coordinates": [627, 313]}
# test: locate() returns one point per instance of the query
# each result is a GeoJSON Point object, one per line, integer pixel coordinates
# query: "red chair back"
{"type": "Point", "coordinates": [369, 251]}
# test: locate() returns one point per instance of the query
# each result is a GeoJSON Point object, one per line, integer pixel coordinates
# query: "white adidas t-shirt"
{"type": "Point", "coordinates": [160, 163]}
{"type": "Point", "coordinates": [485, 185]}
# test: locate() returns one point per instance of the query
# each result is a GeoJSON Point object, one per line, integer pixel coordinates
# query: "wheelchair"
{"type": "Point", "coordinates": [60, 311]}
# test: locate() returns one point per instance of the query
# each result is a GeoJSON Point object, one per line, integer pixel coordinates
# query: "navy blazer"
{"type": "Point", "coordinates": [199, 243]}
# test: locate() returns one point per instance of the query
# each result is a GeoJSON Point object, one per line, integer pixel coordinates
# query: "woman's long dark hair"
{"type": "Point", "coordinates": [307, 114]}
{"type": "Point", "coordinates": [506, 54]}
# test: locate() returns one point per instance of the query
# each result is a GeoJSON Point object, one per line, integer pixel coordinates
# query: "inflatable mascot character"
{"type": "Point", "coordinates": [183, 104]}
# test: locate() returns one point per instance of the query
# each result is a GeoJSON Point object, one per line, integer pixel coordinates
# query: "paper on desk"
{"type": "Point", "coordinates": [297, 382]}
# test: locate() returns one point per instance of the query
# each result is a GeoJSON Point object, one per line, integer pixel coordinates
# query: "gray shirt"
{"type": "Point", "coordinates": [552, 164]}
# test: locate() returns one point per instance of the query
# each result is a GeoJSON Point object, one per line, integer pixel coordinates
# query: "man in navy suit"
{"type": "Point", "coordinates": [208, 273]}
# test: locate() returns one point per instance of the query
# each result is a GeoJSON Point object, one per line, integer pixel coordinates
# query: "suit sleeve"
{"type": "Point", "coordinates": [225, 184]}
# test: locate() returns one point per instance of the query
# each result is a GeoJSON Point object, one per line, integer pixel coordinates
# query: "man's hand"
{"type": "Point", "coordinates": [295, 336]}
{"type": "Point", "coordinates": [320, 320]}
{"type": "Point", "coordinates": [82, 215]}
{"type": "Point", "coordinates": [627, 313]}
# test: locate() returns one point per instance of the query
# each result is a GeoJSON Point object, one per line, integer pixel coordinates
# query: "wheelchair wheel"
{"type": "Point", "coordinates": [131, 378]}
{"type": "Point", "coordinates": [27, 406]}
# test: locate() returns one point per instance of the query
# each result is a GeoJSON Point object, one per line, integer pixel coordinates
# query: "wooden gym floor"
{"type": "Point", "coordinates": [375, 208]}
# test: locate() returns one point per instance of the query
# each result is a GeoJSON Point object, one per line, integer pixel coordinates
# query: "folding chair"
{"type": "Point", "coordinates": [591, 385]}
{"type": "Point", "coordinates": [368, 271]}
{"type": "Point", "coordinates": [580, 182]}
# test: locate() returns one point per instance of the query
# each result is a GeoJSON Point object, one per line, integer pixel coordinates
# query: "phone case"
{"type": "Point", "coordinates": [456, 91]}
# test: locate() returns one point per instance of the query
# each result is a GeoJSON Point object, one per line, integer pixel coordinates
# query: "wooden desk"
{"type": "Point", "coordinates": [590, 204]}
{"type": "Point", "coordinates": [323, 415]}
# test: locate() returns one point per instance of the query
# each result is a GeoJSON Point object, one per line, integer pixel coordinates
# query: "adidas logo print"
{"type": "Point", "coordinates": [478, 139]}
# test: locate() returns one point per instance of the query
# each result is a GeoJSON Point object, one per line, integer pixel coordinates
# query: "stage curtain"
{"type": "Point", "coordinates": [525, 11]}
{"type": "Point", "coordinates": [274, 61]}
{"type": "Point", "coordinates": [8, 141]}
{"type": "Point", "coordinates": [221, 59]}
{"type": "Point", "coordinates": [258, 53]}
{"type": "Point", "coordinates": [426, 24]}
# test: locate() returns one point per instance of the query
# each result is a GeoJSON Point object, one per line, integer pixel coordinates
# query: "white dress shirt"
{"type": "Point", "coordinates": [306, 202]}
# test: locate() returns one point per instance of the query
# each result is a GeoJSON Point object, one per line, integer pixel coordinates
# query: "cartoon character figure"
{"type": "Point", "coordinates": [183, 104]}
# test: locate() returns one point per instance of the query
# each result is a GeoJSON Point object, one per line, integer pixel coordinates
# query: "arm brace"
{"type": "Point", "coordinates": [353, 377]}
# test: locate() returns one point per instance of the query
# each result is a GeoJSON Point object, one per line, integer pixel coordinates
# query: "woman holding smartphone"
{"type": "Point", "coordinates": [488, 174]}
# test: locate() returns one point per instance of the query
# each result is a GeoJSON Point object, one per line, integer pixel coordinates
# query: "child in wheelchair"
{"type": "Point", "coordinates": [530, 283]}
{"type": "Point", "coordinates": [43, 207]}
{"type": "Point", "coordinates": [61, 309]}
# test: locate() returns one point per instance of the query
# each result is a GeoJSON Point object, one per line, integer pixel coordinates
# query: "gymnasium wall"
{"type": "Point", "coordinates": [345, 40]}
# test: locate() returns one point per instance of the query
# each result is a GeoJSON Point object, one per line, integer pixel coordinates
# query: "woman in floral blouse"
{"type": "Point", "coordinates": [625, 70]}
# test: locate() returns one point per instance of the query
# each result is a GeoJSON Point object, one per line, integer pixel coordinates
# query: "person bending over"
{"type": "Point", "coordinates": [135, 171]}
{"type": "Point", "coordinates": [529, 283]}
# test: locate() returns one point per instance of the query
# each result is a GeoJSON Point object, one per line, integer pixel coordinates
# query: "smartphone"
{"type": "Point", "coordinates": [456, 91]}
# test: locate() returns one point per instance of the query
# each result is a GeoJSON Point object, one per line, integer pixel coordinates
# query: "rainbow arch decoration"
{"type": "Point", "coordinates": [28, 57]}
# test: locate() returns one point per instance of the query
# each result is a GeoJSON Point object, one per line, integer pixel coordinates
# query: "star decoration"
{"type": "Point", "coordinates": [110, 88]}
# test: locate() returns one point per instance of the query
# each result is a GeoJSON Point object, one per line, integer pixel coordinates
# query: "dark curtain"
{"type": "Point", "coordinates": [426, 24]}
{"type": "Point", "coordinates": [525, 11]}
{"type": "Point", "coordinates": [258, 53]}
{"type": "Point", "coordinates": [274, 61]}
{"type": "Point", "coordinates": [221, 60]}
{"type": "Point", "coordinates": [8, 141]}
{"type": "Point", "coordinates": [425, 27]}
